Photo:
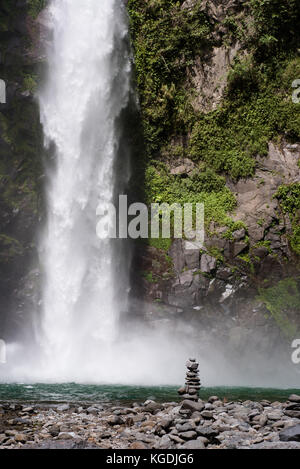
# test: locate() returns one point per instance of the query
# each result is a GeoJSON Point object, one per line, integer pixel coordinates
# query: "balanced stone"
{"type": "Point", "coordinates": [192, 382]}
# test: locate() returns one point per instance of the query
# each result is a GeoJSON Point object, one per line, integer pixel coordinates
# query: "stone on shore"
{"type": "Point", "coordinates": [63, 407]}
{"type": "Point", "coordinates": [290, 434]}
{"type": "Point", "coordinates": [294, 398]}
{"type": "Point", "coordinates": [194, 444]}
{"type": "Point", "coordinates": [192, 406]}
{"type": "Point", "coordinates": [191, 425]}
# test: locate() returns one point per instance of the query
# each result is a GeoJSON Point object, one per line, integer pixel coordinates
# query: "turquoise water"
{"type": "Point", "coordinates": [72, 392]}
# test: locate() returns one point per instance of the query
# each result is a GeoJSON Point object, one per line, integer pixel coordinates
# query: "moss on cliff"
{"type": "Point", "coordinates": [166, 40]}
{"type": "Point", "coordinates": [201, 187]}
{"type": "Point", "coordinates": [289, 198]}
{"type": "Point", "coordinates": [9, 248]}
{"type": "Point", "coordinates": [283, 302]}
{"type": "Point", "coordinates": [21, 138]}
{"type": "Point", "coordinates": [257, 106]}
{"type": "Point", "coordinates": [229, 138]}
{"type": "Point", "coordinates": [36, 6]}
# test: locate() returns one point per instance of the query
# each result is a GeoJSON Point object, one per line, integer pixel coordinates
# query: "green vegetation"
{"type": "Point", "coordinates": [149, 277]}
{"type": "Point", "coordinates": [163, 244]}
{"type": "Point", "coordinates": [217, 253]}
{"type": "Point", "coordinates": [161, 186]}
{"type": "Point", "coordinates": [283, 301]}
{"type": "Point", "coordinates": [36, 6]}
{"type": "Point", "coordinates": [229, 138]}
{"type": "Point", "coordinates": [264, 244]}
{"type": "Point", "coordinates": [295, 238]}
{"type": "Point", "coordinates": [21, 135]}
{"type": "Point", "coordinates": [256, 107]}
{"type": "Point", "coordinates": [289, 198]}
{"type": "Point", "coordinates": [276, 26]}
{"type": "Point", "coordinates": [30, 83]}
{"type": "Point", "coordinates": [9, 248]}
{"type": "Point", "coordinates": [232, 227]}
{"type": "Point", "coordinates": [248, 261]}
{"type": "Point", "coordinates": [166, 39]}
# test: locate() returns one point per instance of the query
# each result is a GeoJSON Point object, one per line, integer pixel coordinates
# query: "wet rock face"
{"type": "Point", "coordinates": [225, 273]}
{"type": "Point", "coordinates": [21, 165]}
{"type": "Point", "coordinates": [262, 246]}
{"type": "Point", "coordinates": [255, 202]}
{"type": "Point", "coordinates": [208, 76]}
{"type": "Point", "coordinates": [184, 167]}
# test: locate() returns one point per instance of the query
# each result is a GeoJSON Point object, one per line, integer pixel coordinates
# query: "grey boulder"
{"type": "Point", "coordinates": [290, 434]}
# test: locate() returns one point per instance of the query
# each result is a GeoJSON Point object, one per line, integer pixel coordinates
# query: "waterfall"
{"type": "Point", "coordinates": [87, 87]}
{"type": "Point", "coordinates": [83, 102]}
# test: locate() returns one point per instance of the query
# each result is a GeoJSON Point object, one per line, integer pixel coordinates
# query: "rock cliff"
{"type": "Point", "coordinates": [21, 174]}
{"type": "Point", "coordinates": [220, 127]}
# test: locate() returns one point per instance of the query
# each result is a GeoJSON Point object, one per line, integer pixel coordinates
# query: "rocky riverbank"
{"type": "Point", "coordinates": [215, 424]}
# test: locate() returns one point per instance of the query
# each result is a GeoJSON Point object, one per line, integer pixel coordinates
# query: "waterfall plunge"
{"type": "Point", "coordinates": [85, 280]}
{"type": "Point", "coordinates": [87, 87]}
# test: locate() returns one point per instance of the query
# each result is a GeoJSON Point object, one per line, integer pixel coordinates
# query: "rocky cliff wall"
{"type": "Point", "coordinates": [220, 127]}
{"type": "Point", "coordinates": [21, 173]}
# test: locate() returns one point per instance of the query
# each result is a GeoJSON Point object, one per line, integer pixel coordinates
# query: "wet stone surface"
{"type": "Point", "coordinates": [151, 425]}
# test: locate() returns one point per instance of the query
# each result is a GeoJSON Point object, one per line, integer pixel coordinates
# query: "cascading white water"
{"type": "Point", "coordinates": [87, 87]}
{"type": "Point", "coordinates": [85, 280]}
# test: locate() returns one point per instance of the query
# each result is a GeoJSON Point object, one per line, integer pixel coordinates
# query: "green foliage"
{"type": "Point", "coordinates": [149, 277]}
{"type": "Point", "coordinates": [36, 6]}
{"type": "Point", "coordinates": [283, 301]}
{"type": "Point", "coordinates": [295, 238]}
{"type": "Point", "coordinates": [229, 138]}
{"type": "Point", "coordinates": [163, 244]}
{"type": "Point", "coordinates": [276, 25]}
{"type": "Point", "coordinates": [21, 138]}
{"type": "Point", "coordinates": [166, 39]}
{"type": "Point", "coordinates": [260, 222]}
{"type": "Point", "coordinates": [9, 248]}
{"type": "Point", "coordinates": [23, 134]}
{"type": "Point", "coordinates": [215, 140]}
{"type": "Point", "coordinates": [217, 253]}
{"type": "Point", "coordinates": [232, 227]}
{"type": "Point", "coordinates": [258, 106]}
{"type": "Point", "coordinates": [248, 261]}
{"type": "Point", "coordinates": [242, 77]}
{"type": "Point", "coordinates": [161, 186]}
{"type": "Point", "coordinates": [264, 244]}
{"type": "Point", "coordinates": [289, 199]}
{"type": "Point", "coordinates": [246, 258]}
{"type": "Point", "coordinates": [30, 83]}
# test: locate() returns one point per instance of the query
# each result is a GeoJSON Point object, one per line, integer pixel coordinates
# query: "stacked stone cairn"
{"type": "Point", "coordinates": [192, 382]}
